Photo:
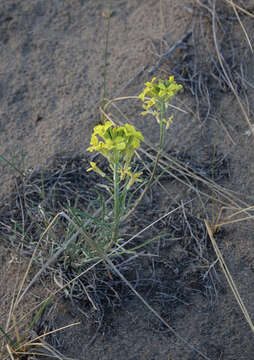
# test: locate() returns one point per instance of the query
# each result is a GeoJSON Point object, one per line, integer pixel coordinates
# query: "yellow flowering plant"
{"type": "Point", "coordinates": [155, 97]}
{"type": "Point", "coordinates": [117, 144]}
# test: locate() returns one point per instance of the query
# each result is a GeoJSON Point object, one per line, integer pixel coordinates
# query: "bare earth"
{"type": "Point", "coordinates": [51, 85]}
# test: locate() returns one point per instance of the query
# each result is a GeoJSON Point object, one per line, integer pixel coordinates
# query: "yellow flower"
{"type": "Point", "coordinates": [133, 178]}
{"type": "Point", "coordinates": [158, 92]}
{"type": "Point", "coordinates": [148, 90]}
{"type": "Point", "coordinates": [96, 145]}
{"type": "Point", "coordinates": [168, 122]}
{"type": "Point", "coordinates": [150, 84]}
{"type": "Point", "coordinates": [114, 142]}
{"type": "Point", "coordinates": [149, 103]}
{"type": "Point", "coordinates": [124, 172]}
{"type": "Point", "coordinates": [102, 129]}
{"type": "Point", "coordinates": [95, 168]}
{"type": "Point", "coordinates": [131, 131]}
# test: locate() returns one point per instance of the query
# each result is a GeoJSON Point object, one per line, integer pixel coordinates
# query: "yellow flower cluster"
{"type": "Point", "coordinates": [117, 144]}
{"type": "Point", "coordinates": [115, 141]}
{"type": "Point", "coordinates": [157, 93]}
{"type": "Point", "coordinates": [133, 177]}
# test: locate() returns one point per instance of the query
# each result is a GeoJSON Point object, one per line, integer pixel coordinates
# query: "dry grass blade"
{"type": "Point", "coordinates": [227, 220]}
{"type": "Point", "coordinates": [31, 342]}
{"type": "Point", "coordinates": [23, 348]}
{"type": "Point", "coordinates": [11, 311]}
{"type": "Point", "coordinates": [240, 8]}
{"type": "Point", "coordinates": [242, 26]}
{"type": "Point", "coordinates": [28, 347]}
{"type": "Point", "coordinates": [20, 296]}
{"type": "Point", "coordinates": [220, 58]}
{"type": "Point", "coordinates": [10, 352]}
{"type": "Point", "coordinates": [48, 350]}
{"type": "Point", "coordinates": [229, 277]}
{"type": "Point", "coordinates": [234, 221]}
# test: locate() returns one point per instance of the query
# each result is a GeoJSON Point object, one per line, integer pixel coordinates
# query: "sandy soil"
{"type": "Point", "coordinates": [51, 85]}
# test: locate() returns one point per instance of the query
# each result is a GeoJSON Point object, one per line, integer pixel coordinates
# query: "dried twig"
{"type": "Point", "coordinates": [229, 277]}
{"type": "Point", "coordinates": [222, 64]}
{"type": "Point", "coordinates": [169, 52]}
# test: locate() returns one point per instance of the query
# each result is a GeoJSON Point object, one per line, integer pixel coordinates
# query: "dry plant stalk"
{"type": "Point", "coordinates": [211, 229]}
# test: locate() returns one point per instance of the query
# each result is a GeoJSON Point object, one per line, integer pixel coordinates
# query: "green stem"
{"type": "Point", "coordinates": [150, 183]}
{"type": "Point", "coordinates": [12, 165]}
{"type": "Point", "coordinates": [106, 56]}
{"type": "Point", "coordinates": [123, 199]}
{"type": "Point", "coordinates": [116, 202]}
{"type": "Point", "coordinates": [9, 340]}
{"type": "Point", "coordinates": [162, 135]}
{"type": "Point", "coordinates": [162, 127]}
